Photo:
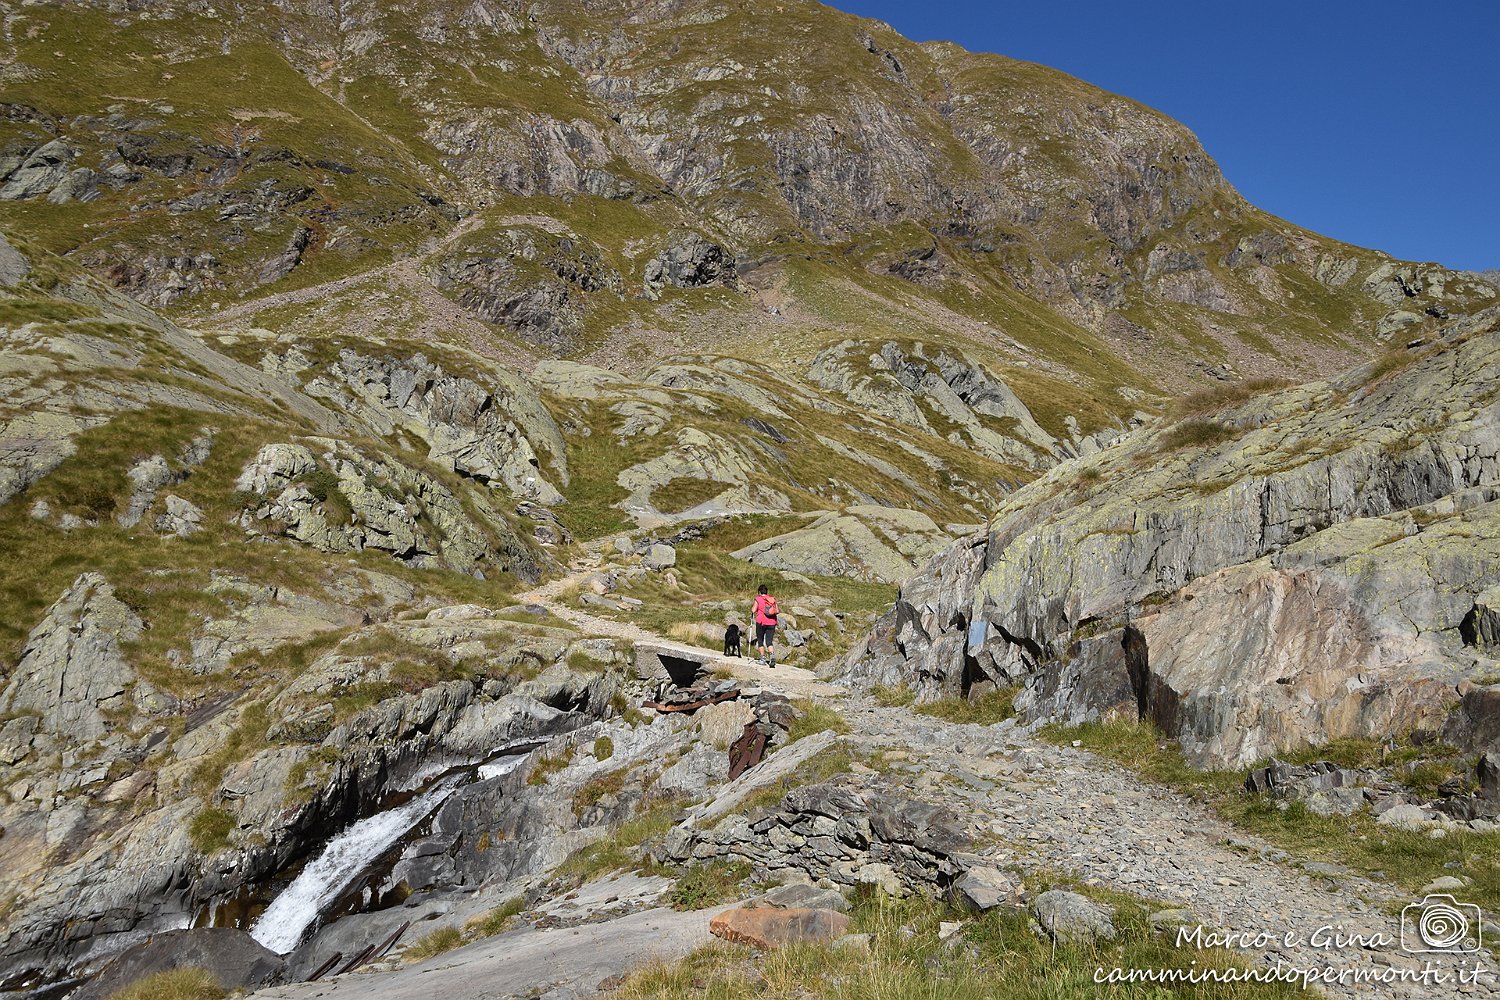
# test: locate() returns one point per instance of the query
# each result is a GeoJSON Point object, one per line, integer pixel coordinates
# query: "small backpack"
{"type": "Point", "coordinates": [770, 608]}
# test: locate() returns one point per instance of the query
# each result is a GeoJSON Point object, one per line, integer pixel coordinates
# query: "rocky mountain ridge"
{"type": "Point", "coordinates": [624, 183]}
{"type": "Point", "coordinates": [1305, 566]}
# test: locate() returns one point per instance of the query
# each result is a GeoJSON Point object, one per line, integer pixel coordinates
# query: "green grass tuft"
{"type": "Point", "coordinates": [174, 984]}
{"type": "Point", "coordinates": [893, 695]}
{"type": "Point", "coordinates": [428, 945]}
{"type": "Point", "coordinates": [815, 718]}
{"type": "Point", "coordinates": [986, 710]}
{"type": "Point", "coordinates": [496, 920]}
{"type": "Point", "coordinates": [210, 830]}
{"type": "Point", "coordinates": [709, 884]}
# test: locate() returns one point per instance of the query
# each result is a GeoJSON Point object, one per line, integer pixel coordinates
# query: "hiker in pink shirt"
{"type": "Point", "coordinates": [765, 612]}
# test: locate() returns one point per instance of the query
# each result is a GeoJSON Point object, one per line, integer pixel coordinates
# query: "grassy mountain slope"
{"type": "Point", "coordinates": [961, 194]}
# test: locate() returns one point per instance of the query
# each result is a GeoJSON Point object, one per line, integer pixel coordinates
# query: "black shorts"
{"type": "Point", "coordinates": [765, 635]}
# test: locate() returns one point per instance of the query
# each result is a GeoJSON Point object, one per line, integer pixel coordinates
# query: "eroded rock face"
{"type": "Point", "coordinates": [532, 281]}
{"type": "Point", "coordinates": [72, 675]}
{"type": "Point", "coordinates": [1306, 580]}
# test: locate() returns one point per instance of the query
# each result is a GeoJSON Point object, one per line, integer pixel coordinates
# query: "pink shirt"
{"type": "Point", "coordinates": [761, 618]}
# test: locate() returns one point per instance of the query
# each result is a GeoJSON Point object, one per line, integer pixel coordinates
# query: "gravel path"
{"type": "Point", "coordinates": [313, 293]}
{"type": "Point", "coordinates": [1059, 810]}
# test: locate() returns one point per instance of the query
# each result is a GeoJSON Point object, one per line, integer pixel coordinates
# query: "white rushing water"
{"type": "Point", "coordinates": [504, 765]}
{"type": "Point", "coordinates": [281, 927]}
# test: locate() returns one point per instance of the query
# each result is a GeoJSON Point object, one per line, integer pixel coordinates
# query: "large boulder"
{"type": "Point", "coordinates": [232, 957]}
{"type": "Point", "coordinates": [1068, 916]}
{"type": "Point", "coordinates": [772, 927]}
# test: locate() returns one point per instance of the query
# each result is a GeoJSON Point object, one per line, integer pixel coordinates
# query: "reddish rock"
{"type": "Point", "coordinates": [769, 927]}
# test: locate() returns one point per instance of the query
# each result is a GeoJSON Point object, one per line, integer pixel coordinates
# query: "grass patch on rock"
{"type": "Point", "coordinates": [1195, 433]}
{"type": "Point", "coordinates": [590, 794]}
{"type": "Point", "coordinates": [616, 850]}
{"type": "Point", "coordinates": [709, 884]}
{"type": "Point", "coordinates": [496, 920]}
{"type": "Point", "coordinates": [210, 830]}
{"type": "Point", "coordinates": [1220, 397]}
{"type": "Point", "coordinates": [174, 984]}
{"type": "Point", "coordinates": [544, 769]}
{"type": "Point", "coordinates": [986, 710]}
{"type": "Point", "coordinates": [434, 943]}
{"type": "Point", "coordinates": [678, 495]}
{"type": "Point", "coordinates": [814, 717]}
{"type": "Point", "coordinates": [893, 695]}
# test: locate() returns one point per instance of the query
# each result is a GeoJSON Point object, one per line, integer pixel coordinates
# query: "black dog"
{"type": "Point", "coordinates": [732, 641]}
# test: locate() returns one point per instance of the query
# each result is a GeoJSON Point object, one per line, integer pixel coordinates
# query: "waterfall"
{"type": "Point", "coordinates": [292, 912]}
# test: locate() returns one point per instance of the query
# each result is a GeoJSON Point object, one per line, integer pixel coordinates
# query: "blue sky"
{"type": "Point", "coordinates": [1377, 123]}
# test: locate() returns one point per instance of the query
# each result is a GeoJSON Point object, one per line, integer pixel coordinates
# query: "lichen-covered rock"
{"type": "Point", "coordinates": [180, 517]}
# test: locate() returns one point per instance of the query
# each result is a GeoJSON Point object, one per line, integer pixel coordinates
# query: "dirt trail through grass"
{"type": "Point", "coordinates": [794, 682]}
{"type": "Point", "coordinates": [406, 270]}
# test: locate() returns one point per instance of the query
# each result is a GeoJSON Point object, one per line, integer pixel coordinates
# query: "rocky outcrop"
{"type": "Point", "coordinates": [1481, 626]}
{"type": "Point", "coordinates": [692, 262]}
{"type": "Point", "coordinates": [865, 542]}
{"type": "Point", "coordinates": [490, 431]}
{"type": "Point", "coordinates": [44, 170]}
{"type": "Point", "coordinates": [940, 390]}
{"type": "Point", "coordinates": [841, 833]}
{"type": "Point", "coordinates": [532, 281]}
{"type": "Point", "coordinates": [1304, 580]}
{"type": "Point", "coordinates": [72, 675]}
{"type": "Point", "coordinates": [346, 501]}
